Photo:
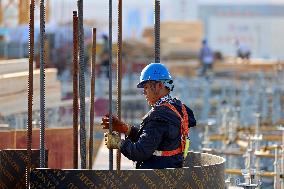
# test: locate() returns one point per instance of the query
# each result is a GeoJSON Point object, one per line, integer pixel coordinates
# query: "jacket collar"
{"type": "Point", "coordinates": [165, 99]}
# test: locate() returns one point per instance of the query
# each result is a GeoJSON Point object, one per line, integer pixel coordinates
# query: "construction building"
{"type": "Point", "coordinates": [248, 21]}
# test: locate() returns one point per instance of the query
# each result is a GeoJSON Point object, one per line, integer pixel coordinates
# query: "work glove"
{"type": "Point", "coordinates": [117, 125]}
{"type": "Point", "coordinates": [112, 141]}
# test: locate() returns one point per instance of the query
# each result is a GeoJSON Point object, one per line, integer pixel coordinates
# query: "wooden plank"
{"type": "Point", "coordinates": [179, 37]}
{"type": "Point", "coordinates": [17, 103]}
{"type": "Point", "coordinates": [50, 88]}
{"type": "Point", "coordinates": [14, 65]}
{"type": "Point", "coordinates": [222, 137]}
{"type": "Point", "coordinates": [18, 82]}
{"type": "Point", "coordinates": [182, 68]}
{"type": "Point", "coordinates": [7, 139]}
{"type": "Point", "coordinates": [58, 141]}
{"type": "Point", "coordinates": [239, 172]}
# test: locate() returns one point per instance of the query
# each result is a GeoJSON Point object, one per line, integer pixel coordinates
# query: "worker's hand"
{"type": "Point", "coordinates": [112, 141]}
{"type": "Point", "coordinates": [117, 125]}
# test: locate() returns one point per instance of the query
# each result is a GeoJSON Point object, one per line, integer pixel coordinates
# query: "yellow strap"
{"type": "Point", "coordinates": [187, 145]}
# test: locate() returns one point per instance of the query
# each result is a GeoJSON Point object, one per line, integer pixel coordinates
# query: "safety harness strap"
{"type": "Point", "coordinates": [183, 130]}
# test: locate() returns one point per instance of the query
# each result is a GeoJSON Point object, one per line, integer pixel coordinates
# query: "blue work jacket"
{"type": "Point", "coordinates": [159, 130]}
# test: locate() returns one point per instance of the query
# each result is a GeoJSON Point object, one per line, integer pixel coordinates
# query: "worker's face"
{"type": "Point", "coordinates": [151, 92]}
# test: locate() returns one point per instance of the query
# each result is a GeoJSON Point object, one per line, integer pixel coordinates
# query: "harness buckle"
{"type": "Point", "coordinates": [157, 153]}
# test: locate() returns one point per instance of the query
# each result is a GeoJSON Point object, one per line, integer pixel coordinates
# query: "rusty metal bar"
{"type": "Point", "coordinates": [42, 85]}
{"type": "Point", "coordinates": [157, 31]}
{"type": "Point", "coordinates": [30, 92]}
{"type": "Point", "coordinates": [82, 86]}
{"type": "Point", "coordinates": [110, 82]}
{"type": "Point", "coordinates": [75, 90]}
{"type": "Point", "coordinates": [92, 107]}
{"type": "Point", "coordinates": [119, 74]}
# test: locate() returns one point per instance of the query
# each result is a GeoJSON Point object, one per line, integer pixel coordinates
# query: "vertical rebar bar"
{"type": "Point", "coordinates": [30, 93]}
{"type": "Point", "coordinates": [92, 112]}
{"type": "Point", "coordinates": [119, 74]}
{"type": "Point", "coordinates": [82, 85]}
{"type": "Point", "coordinates": [110, 82]}
{"type": "Point", "coordinates": [75, 90]}
{"type": "Point", "coordinates": [42, 84]}
{"type": "Point", "coordinates": [157, 31]}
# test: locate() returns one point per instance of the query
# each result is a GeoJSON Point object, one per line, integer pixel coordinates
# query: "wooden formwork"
{"type": "Point", "coordinates": [200, 171]}
{"type": "Point", "coordinates": [59, 142]}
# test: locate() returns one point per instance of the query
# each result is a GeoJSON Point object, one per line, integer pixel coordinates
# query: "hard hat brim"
{"type": "Point", "coordinates": [141, 84]}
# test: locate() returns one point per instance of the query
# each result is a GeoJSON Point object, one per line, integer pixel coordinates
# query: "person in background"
{"type": "Point", "coordinates": [243, 50]}
{"type": "Point", "coordinates": [105, 56]}
{"type": "Point", "coordinates": [161, 141]}
{"type": "Point", "coordinates": [206, 57]}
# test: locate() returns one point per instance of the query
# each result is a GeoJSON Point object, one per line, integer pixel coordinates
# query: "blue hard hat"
{"type": "Point", "coordinates": [155, 72]}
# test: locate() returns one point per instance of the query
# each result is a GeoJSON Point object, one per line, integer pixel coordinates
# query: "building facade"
{"type": "Point", "coordinates": [259, 25]}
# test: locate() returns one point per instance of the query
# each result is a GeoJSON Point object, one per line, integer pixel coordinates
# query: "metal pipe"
{"type": "Point", "coordinates": [92, 113]}
{"type": "Point", "coordinates": [276, 171]}
{"type": "Point", "coordinates": [110, 82]}
{"type": "Point", "coordinates": [30, 93]}
{"type": "Point", "coordinates": [119, 74]}
{"type": "Point", "coordinates": [75, 90]}
{"type": "Point", "coordinates": [82, 85]}
{"type": "Point", "coordinates": [157, 31]}
{"type": "Point", "coordinates": [257, 138]}
{"type": "Point", "coordinates": [282, 159]}
{"type": "Point", "coordinates": [42, 84]}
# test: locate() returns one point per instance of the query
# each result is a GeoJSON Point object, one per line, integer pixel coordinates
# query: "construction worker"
{"type": "Point", "coordinates": [243, 50]}
{"type": "Point", "coordinates": [206, 57]}
{"type": "Point", "coordinates": [162, 139]}
{"type": "Point", "coordinates": [105, 56]}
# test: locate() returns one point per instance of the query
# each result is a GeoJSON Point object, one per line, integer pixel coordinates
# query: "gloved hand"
{"type": "Point", "coordinates": [112, 141]}
{"type": "Point", "coordinates": [117, 125]}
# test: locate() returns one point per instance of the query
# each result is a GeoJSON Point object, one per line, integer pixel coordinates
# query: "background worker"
{"type": "Point", "coordinates": [160, 141]}
{"type": "Point", "coordinates": [206, 57]}
{"type": "Point", "coordinates": [105, 56]}
{"type": "Point", "coordinates": [243, 50]}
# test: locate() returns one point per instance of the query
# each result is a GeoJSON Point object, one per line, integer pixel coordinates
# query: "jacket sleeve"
{"type": "Point", "coordinates": [191, 118]}
{"type": "Point", "coordinates": [147, 143]}
{"type": "Point", "coordinates": [133, 135]}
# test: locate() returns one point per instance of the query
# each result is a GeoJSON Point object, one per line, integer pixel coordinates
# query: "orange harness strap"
{"type": "Point", "coordinates": [184, 130]}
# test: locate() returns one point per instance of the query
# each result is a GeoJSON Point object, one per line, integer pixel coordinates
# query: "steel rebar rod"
{"type": "Point", "coordinates": [75, 90]}
{"type": "Point", "coordinates": [30, 93]}
{"type": "Point", "coordinates": [119, 74]}
{"type": "Point", "coordinates": [92, 107]}
{"type": "Point", "coordinates": [42, 84]}
{"type": "Point", "coordinates": [157, 31]}
{"type": "Point", "coordinates": [110, 82]}
{"type": "Point", "coordinates": [82, 86]}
